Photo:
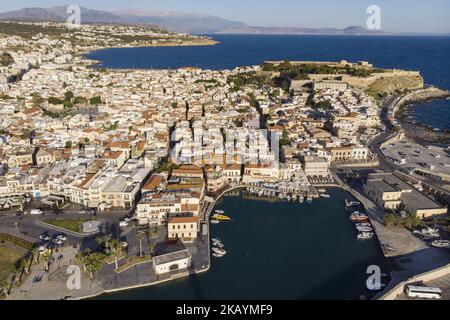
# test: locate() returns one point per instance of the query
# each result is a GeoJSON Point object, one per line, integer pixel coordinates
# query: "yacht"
{"type": "Point", "coordinates": [365, 235]}
{"type": "Point", "coordinates": [441, 244]}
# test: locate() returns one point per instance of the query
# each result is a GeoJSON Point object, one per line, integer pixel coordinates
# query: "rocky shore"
{"type": "Point", "coordinates": [416, 131]}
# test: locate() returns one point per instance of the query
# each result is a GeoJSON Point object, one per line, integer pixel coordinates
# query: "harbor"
{"type": "Point", "coordinates": [317, 239]}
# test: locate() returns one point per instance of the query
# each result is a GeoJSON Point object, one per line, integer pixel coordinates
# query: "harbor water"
{"type": "Point", "coordinates": [280, 250]}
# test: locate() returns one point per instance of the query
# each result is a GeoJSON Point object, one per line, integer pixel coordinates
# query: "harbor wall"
{"type": "Point", "coordinates": [424, 277]}
{"type": "Point", "coordinates": [420, 95]}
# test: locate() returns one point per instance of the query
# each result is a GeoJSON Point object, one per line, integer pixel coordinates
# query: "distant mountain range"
{"type": "Point", "coordinates": [354, 30]}
{"type": "Point", "coordinates": [193, 23]}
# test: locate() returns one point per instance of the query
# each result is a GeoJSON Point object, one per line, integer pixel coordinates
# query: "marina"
{"type": "Point", "coordinates": [317, 241]}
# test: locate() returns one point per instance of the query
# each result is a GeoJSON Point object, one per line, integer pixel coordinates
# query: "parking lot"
{"type": "Point", "coordinates": [431, 158]}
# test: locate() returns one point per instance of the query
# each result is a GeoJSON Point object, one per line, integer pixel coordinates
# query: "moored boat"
{"type": "Point", "coordinates": [365, 235]}
{"type": "Point", "coordinates": [359, 217]}
{"type": "Point", "coordinates": [221, 217]}
{"type": "Point", "coordinates": [364, 229]}
{"type": "Point", "coordinates": [441, 244]}
{"type": "Point", "coordinates": [219, 251]}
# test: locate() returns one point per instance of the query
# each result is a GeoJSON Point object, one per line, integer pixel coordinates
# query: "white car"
{"type": "Point", "coordinates": [58, 241]}
{"type": "Point", "coordinates": [61, 237]}
{"type": "Point", "coordinates": [123, 224]}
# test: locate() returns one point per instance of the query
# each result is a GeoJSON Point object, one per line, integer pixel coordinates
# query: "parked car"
{"type": "Point", "coordinates": [123, 224]}
{"type": "Point", "coordinates": [62, 237]}
{"type": "Point", "coordinates": [44, 237]}
{"type": "Point", "coordinates": [35, 211]}
{"type": "Point", "coordinates": [58, 241]}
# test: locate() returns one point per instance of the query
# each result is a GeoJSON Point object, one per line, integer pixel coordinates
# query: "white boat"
{"type": "Point", "coordinates": [351, 203]}
{"type": "Point", "coordinates": [219, 250]}
{"type": "Point", "coordinates": [214, 221]}
{"type": "Point", "coordinates": [364, 229]}
{"type": "Point", "coordinates": [363, 224]}
{"type": "Point", "coordinates": [441, 244]}
{"type": "Point", "coordinates": [218, 245]}
{"type": "Point", "coordinates": [216, 240]}
{"type": "Point", "coordinates": [365, 235]}
{"type": "Point", "coordinates": [325, 195]}
{"type": "Point", "coordinates": [219, 211]}
{"type": "Point", "coordinates": [428, 232]}
{"type": "Point", "coordinates": [217, 255]}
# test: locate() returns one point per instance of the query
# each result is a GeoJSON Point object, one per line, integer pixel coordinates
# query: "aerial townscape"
{"type": "Point", "coordinates": [126, 173]}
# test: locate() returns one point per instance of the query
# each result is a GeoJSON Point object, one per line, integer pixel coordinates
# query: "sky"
{"type": "Point", "coordinates": [426, 16]}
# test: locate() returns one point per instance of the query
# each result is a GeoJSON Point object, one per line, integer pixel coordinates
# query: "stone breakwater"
{"type": "Point", "coordinates": [419, 132]}
{"type": "Point", "coordinates": [420, 96]}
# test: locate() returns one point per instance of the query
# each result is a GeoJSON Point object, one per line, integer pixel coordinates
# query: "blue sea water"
{"type": "Point", "coordinates": [428, 54]}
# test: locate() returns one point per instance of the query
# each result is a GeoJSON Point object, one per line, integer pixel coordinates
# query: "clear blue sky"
{"type": "Point", "coordinates": [397, 15]}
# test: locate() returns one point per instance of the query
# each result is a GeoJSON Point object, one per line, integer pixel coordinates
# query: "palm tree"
{"type": "Point", "coordinates": [95, 263]}
{"type": "Point", "coordinates": [35, 254]}
{"type": "Point", "coordinates": [5, 288]}
{"type": "Point", "coordinates": [104, 241]}
{"type": "Point", "coordinates": [18, 275]}
{"type": "Point", "coordinates": [140, 235]}
{"type": "Point", "coordinates": [83, 257]}
{"type": "Point", "coordinates": [46, 257]}
{"type": "Point", "coordinates": [25, 265]}
{"type": "Point", "coordinates": [116, 251]}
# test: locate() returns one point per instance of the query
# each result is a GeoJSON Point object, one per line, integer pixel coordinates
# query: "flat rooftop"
{"type": "Point", "coordinates": [171, 257]}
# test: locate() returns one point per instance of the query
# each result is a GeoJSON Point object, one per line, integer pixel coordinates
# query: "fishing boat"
{"type": "Point", "coordinates": [358, 217]}
{"type": "Point", "coordinates": [441, 244]}
{"type": "Point", "coordinates": [365, 235]}
{"type": "Point", "coordinates": [219, 251]}
{"type": "Point", "coordinates": [221, 217]}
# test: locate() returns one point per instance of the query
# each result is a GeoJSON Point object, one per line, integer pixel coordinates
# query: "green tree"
{"type": "Point", "coordinates": [68, 95]}
{"type": "Point", "coordinates": [95, 101]}
{"type": "Point", "coordinates": [68, 144]}
{"type": "Point", "coordinates": [95, 263]}
{"type": "Point", "coordinates": [5, 288]}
